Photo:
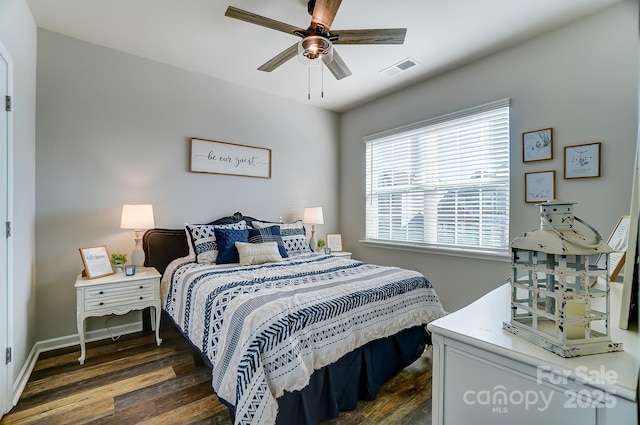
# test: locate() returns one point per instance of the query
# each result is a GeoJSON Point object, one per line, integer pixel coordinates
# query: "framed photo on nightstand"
{"type": "Point", "coordinates": [97, 261]}
{"type": "Point", "coordinates": [334, 241]}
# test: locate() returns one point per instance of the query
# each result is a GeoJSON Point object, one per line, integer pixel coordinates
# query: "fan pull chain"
{"type": "Point", "coordinates": [309, 80]}
{"type": "Point", "coordinates": [322, 81]}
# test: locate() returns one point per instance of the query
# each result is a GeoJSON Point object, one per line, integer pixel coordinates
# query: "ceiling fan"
{"type": "Point", "coordinates": [317, 40]}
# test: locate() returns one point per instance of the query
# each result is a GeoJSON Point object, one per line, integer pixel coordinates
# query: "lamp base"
{"type": "Point", "coordinates": [313, 243]}
{"type": "Point", "coordinates": [137, 256]}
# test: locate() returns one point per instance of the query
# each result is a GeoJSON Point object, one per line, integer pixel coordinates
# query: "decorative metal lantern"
{"type": "Point", "coordinates": [560, 285]}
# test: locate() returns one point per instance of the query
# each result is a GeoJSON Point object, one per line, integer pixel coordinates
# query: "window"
{"type": "Point", "coordinates": [442, 183]}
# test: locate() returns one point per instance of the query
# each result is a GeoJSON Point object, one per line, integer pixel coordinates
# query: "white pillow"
{"type": "Point", "coordinates": [258, 253]}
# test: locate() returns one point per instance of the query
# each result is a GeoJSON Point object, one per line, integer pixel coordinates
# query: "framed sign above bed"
{"type": "Point", "coordinates": [209, 156]}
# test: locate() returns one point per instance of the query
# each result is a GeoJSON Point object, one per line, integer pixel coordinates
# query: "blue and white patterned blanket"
{"type": "Point", "coordinates": [266, 328]}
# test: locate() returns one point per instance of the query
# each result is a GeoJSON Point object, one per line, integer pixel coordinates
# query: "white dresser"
{"type": "Point", "coordinates": [117, 294]}
{"type": "Point", "coordinates": [485, 375]}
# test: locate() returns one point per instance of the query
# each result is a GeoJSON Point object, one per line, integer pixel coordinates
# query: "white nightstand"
{"type": "Point", "coordinates": [117, 294]}
{"type": "Point", "coordinates": [345, 254]}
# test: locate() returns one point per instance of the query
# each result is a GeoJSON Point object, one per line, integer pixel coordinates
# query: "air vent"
{"type": "Point", "coordinates": [399, 67]}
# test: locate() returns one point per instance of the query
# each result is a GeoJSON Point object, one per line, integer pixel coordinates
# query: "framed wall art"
{"type": "Point", "coordinates": [582, 161]}
{"type": "Point", "coordinates": [539, 186]}
{"type": "Point", "coordinates": [209, 156]}
{"type": "Point", "coordinates": [96, 261]}
{"type": "Point", "coordinates": [537, 145]}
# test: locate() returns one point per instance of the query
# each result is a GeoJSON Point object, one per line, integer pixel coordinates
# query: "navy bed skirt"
{"type": "Point", "coordinates": [356, 376]}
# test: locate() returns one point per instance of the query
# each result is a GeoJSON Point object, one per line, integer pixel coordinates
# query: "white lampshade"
{"type": "Point", "coordinates": [137, 217]}
{"type": "Point", "coordinates": [313, 215]}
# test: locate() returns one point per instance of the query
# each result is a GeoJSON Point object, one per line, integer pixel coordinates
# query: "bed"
{"type": "Point", "coordinates": [291, 336]}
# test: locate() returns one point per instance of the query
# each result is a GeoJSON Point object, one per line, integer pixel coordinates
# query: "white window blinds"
{"type": "Point", "coordinates": [442, 183]}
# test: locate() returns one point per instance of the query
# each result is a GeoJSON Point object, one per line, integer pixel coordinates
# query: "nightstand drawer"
{"type": "Point", "coordinates": [97, 303]}
{"type": "Point", "coordinates": [122, 289]}
{"type": "Point", "coordinates": [110, 296]}
{"type": "Point", "coordinates": [343, 254]}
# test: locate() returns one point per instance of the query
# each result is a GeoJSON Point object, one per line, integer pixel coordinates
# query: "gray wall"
{"type": "Point", "coordinates": [114, 129]}
{"type": "Point", "coordinates": [582, 80]}
{"type": "Point", "coordinates": [18, 35]}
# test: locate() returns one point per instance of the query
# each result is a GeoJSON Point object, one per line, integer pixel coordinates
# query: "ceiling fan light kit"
{"type": "Point", "coordinates": [317, 40]}
{"type": "Point", "coordinates": [314, 50]}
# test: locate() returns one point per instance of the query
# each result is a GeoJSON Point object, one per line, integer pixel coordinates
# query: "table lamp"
{"type": "Point", "coordinates": [313, 216]}
{"type": "Point", "coordinates": [138, 218]}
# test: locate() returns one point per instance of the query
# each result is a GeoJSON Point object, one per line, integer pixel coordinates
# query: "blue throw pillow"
{"type": "Point", "coordinates": [268, 234]}
{"type": "Point", "coordinates": [226, 240]}
{"type": "Point", "coordinates": [293, 235]}
{"type": "Point", "coordinates": [202, 239]}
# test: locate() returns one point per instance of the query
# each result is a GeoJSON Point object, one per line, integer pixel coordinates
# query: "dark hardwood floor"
{"type": "Point", "coordinates": [133, 381]}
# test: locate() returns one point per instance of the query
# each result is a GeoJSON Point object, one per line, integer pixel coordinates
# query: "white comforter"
{"type": "Point", "coordinates": [266, 328]}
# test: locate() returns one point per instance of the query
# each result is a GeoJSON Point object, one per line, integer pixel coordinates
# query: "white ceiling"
{"type": "Point", "coordinates": [195, 35]}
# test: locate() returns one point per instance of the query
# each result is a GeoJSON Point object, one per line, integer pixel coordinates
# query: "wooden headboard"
{"type": "Point", "coordinates": [162, 246]}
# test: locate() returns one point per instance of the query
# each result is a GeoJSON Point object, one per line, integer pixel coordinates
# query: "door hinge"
{"type": "Point", "coordinates": [8, 355]}
{"type": "Point", "coordinates": [7, 103]}
{"type": "Point", "coordinates": [8, 229]}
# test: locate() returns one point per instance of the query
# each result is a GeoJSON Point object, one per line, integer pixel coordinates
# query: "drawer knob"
{"type": "Point", "coordinates": [140, 286]}
{"type": "Point", "coordinates": [140, 297]}
{"type": "Point", "coordinates": [101, 303]}
{"type": "Point", "coordinates": [101, 292]}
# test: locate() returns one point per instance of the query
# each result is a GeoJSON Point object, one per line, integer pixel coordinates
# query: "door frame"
{"type": "Point", "coordinates": [6, 284]}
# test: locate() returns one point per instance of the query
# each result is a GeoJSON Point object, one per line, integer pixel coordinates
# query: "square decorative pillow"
{"type": "Point", "coordinates": [226, 240]}
{"type": "Point", "coordinates": [258, 253]}
{"type": "Point", "coordinates": [293, 235]}
{"type": "Point", "coordinates": [269, 234]}
{"type": "Point", "coordinates": [203, 239]}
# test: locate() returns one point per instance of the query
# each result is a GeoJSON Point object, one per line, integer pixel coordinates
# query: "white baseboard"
{"type": "Point", "coordinates": [98, 334]}
{"type": "Point", "coordinates": [25, 372]}
{"type": "Point", "coordinates": [62, 342]}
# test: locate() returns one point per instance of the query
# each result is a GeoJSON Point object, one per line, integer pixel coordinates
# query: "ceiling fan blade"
{"type": "Point", "coordinates": [372, 36]}
{"type": "Point", "coordinates": [324, 13]}
{"type": "Point", "coordinates": [279, 59]}
{"type": "Point", "coordinates": [338, 68]}
{"type": "Point", "coordinates": [243, 15]}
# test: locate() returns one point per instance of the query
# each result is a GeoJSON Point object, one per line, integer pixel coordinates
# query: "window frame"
{"type": "Point", "coordinates": [499, 250]}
